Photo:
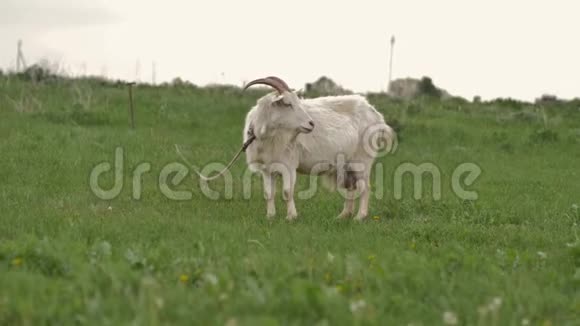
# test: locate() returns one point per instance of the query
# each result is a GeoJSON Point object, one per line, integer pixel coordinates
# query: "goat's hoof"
{"type": "Point", "coordinates": [270, 216]}
{"type": "Point", "coordinates": [291, 217]}
{"type": "Point", "coordinates": [360, 218]}
{"type": "Point", "coordinates": [343, 216]}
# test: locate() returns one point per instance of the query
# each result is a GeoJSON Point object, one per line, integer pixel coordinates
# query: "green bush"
{"type": "Point", "coordinates": [37, 73]}
{"type": "Point", "coordinates": [427, 88]}
{"type": "Point", "coordinates": [509, 103]}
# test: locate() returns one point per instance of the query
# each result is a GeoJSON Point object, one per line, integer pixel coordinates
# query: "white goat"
{"type": "Point", "coordinates": [335, 136]}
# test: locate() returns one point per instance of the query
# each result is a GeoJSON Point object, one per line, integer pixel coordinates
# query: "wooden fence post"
{"type": "Point", "coordinates": [131, 110]}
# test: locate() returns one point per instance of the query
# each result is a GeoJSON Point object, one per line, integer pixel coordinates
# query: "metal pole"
{"type": "Point", "coordinates": [138, 71]}
{"type": "Point", "coordinates": [391, 62]}
{"type": "Point", "coordinates": [154, 73]}
{"type": "Point", "coordinates": [18, 55]}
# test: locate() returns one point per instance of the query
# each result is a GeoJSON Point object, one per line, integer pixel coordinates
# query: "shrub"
{"type": "Point", "coordinates": [509, 103]}
{"type": "Point", "coordinates": [36, 73]}
{"type": "Point", "coordinates": [548, 99]}
{"type": "Point", "coordinates": [427, 88]}
{"type": "Point", "coordinates": [178, 82]}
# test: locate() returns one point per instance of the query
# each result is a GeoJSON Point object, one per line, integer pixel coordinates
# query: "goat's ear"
{"type": "Point", "coordinates": [280, 100]}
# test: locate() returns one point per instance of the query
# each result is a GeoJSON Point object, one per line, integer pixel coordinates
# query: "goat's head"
{"type": "Point", "coordinates": [281, 110]}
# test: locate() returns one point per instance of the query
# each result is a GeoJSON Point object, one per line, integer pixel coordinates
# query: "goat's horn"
{"type": "Point", "coordinates": [268, 81]}
{"type": "Point", "coordinates": [281, 82]}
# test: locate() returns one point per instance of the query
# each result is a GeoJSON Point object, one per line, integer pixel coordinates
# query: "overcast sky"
{"type": "Point", "coordinates": [492, 48]}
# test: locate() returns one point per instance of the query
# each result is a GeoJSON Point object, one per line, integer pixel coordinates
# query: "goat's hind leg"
{"type": "Point", "coordinates": [348, 209]}
{"type": "Point", "coordinates": [349, 183]}
{"type": "Point", "coordinates": [364, 187]}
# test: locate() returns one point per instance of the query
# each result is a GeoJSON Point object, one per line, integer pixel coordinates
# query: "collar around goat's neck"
{"type": "Point", "coordinates": [251, 138]}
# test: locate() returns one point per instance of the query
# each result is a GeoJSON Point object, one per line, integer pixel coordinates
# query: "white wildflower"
{"type": "Point", "coordinates": [330, 257]}
{"type": "Point", "coordinates": [211, 279]}
{"type": "Point", "coordinates": [449, 318]}
{"type": "Point", "coordinates": [358, 305]}
{"type": "Point", "coordinates": [494, 304]}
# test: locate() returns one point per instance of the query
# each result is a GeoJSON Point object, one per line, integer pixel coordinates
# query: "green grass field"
{"type": "Point", "coordinates": [512, 257]}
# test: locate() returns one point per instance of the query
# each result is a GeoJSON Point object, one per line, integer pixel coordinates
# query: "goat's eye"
{"type": "Point", "coordinates": [282, 104]}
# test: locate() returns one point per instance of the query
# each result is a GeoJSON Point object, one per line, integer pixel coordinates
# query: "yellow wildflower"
{"type": "Point", "coordinates": [17, 261]}
{"type": "Point", "coordinates": [183, 278]}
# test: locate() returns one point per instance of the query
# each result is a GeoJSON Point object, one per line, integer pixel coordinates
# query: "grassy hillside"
{"type": "Point", "coordinates": [68, 257]}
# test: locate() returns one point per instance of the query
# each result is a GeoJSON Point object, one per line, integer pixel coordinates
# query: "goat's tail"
{"type": "Point", "coordinates": [391, 141]}
{"type": "Point", "coordinates": [379, 140]}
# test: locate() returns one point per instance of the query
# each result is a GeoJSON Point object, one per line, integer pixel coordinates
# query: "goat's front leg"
{"type": "Point", "coordinates": [269, 194]}
{"type": "Point", "coordinates": [289, 180]}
